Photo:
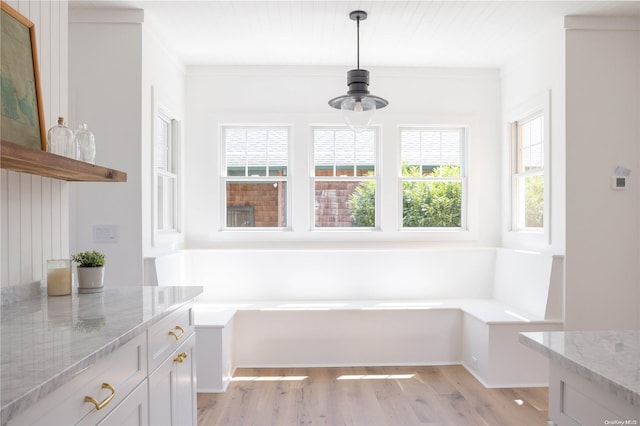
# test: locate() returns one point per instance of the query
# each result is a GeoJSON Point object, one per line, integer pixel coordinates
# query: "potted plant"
{"type": "Point", "coordinates": [90, 271]}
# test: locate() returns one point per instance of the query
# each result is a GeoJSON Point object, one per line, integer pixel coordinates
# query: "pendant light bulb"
{"type": "Point", "coordinates": [358, 113]}
{"type": "Point", "coordinates": [358, 106]}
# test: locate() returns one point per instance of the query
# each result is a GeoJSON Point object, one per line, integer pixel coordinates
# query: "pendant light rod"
{"type": "Point", "coordinates": [358, 38]}
{"type": "Point", "coordinates": [358, 15]}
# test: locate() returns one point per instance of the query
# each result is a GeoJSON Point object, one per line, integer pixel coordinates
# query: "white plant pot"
{"type": "Point", "coordinates": [90, 279]}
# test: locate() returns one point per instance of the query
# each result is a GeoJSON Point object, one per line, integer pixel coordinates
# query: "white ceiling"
{"type": "Point", "coordinates": [397, 33]}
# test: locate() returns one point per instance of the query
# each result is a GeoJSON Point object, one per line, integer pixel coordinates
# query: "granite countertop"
{"type": "Point", "coordinates": [610, 359]}
{"type": "Point", "coordinates": [47, 340]}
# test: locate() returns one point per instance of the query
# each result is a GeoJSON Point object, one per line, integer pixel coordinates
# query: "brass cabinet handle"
{"type": "Point", "coordinates": [181, 357]}
{"type": "Point", "coordinates": [100, 405]}
{"type": "Point", "coordinates": [177, 336]}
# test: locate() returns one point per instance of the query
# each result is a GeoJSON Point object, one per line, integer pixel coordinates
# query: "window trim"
{"type": "Point", "coordinates": [537, 105]}
{"type": "Point", "coordinates": [464, 129]}
{"type": "Point", "coordinates": [225, 178]}
{"type": "Point", "coordinates": [166, 237]}
{"type": "Point", "coordinates": [516, 209]}
{"type": "Point", "coordinates": [377, 130]}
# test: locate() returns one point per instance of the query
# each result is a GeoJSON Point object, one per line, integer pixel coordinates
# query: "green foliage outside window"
{"type": "Point", "coordinates": [425, 204]}
{"type": "Point", "coordinates": [534, 202]}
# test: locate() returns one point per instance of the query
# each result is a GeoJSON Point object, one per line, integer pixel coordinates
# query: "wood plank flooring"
{"type": "Point", "coordinates": [372, 396]}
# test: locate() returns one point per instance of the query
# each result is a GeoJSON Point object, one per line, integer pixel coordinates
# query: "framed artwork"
{"type": "Point", "coordinates": [20, 95]}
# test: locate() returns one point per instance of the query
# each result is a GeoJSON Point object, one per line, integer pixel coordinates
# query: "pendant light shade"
{"type": "Point", "coordinates": [358, 105]}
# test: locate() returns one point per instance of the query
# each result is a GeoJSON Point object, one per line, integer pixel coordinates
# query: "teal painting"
{"type": "Point", "coordinates": [19, 86]}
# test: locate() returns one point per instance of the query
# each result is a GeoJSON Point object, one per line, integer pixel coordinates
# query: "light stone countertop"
{"type": "Point", "coordinates": [47, 340]}
{"type": "Point", "coordinates": [610, 359]}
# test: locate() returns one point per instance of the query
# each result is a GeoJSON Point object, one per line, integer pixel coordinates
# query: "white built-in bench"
{"type": "Point", "coordinates": [310, 307]}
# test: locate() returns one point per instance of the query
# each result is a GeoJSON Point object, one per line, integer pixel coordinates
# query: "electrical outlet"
{"type": "Point", "coordinates": [474, 362]}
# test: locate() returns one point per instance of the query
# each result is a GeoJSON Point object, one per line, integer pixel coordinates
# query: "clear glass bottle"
{"type": "Point", "coordinates": [86, 142]}
{"type": "Point", "coordinates": [60, 140]}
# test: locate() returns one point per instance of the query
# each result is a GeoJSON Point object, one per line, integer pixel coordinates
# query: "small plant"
{"type": "Point", "coordinates": [88, 259]}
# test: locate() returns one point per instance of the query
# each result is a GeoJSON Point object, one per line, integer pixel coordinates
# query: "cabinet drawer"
{"type": "Point", "coordinates": [165, 336]}
{"type": "Point", "coordinates": [133, 411]}
{"type": "Point", "coordinates": [122, 370]}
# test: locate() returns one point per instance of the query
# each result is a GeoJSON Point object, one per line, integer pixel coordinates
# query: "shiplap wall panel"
{"type": "Point", "coordinates": [25, 225]}
{"type": "Point", "coordinates": [34, 211]}
{"type": "Point", "coordinates": [4, 227]}
{"type": "Point", "coordinates": [46, 219]}
{"type": "Point", "coordinates": [36, 226]}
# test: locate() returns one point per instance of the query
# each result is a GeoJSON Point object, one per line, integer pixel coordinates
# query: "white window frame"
{"type": "Point", "coordinates": [518, 197]}
{"type": "Point", "coordinates": [266, 179]}
{"type": "Point", "coordinates": [463, 179]}
{"type": "Point", "coordinates": [376, 178]}
{"type": "Point", "coordinates": [165, 237]}
{"type": "Point", "coordinates": [533, 237]}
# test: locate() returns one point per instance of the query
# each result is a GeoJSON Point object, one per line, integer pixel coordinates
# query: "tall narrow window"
{"type": "Point", "coordinates": [433, 177]}
{"type": "Point", "coordinates": [256, 177]}
{"type": "Point", "coordinates": [166, 159]}
{"type": "Point", "coordinates": [528, 173]}
{"type": "Point", "coordinates": [344, 179]}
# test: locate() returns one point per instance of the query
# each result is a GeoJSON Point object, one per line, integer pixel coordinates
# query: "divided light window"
{"type": "Point", "coordinates": [433, 177]}
{"type": "Point", "coordinates": [255, 176]}
{"type": "Point", "coordinates": [528, 173]}
{"type": "Point", "coordinates": [344, 178]}
{"type": "Point", "coordinates": [166, 171]}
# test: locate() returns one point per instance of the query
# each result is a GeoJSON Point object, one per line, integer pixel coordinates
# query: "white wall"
{"type": "Point", "coordinates": [538, 70]}
{"type": "Point", "coordinates": [105, 57]}
{"type": "Point", "coordinates": [122, 62]}
{"type": "Point", "coordinates": [163, 86]}
{"type": "Point", "coordinates": [298, 96]}
{"type": "Point", "coordinates": [602, 131]}
{"type": "Point", "coordinates": [34, 212]}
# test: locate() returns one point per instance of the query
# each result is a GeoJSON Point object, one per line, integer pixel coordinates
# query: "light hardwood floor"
{"type": "Point", "coordinates": [443, 395]}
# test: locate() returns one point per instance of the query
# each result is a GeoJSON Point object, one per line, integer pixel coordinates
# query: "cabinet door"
{"type": "Point", "coordinates": [162, 383]}
{"type": "Point", "coordinates": [133, 411]}
{"type": "Point", "coordinates": [186, 384]}
{"type": "Point", "coordinates": [172, 388]}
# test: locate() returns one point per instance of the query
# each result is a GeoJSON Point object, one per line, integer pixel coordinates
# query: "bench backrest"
{"type": "Point", "coordinates": [529, 281]}
{"type": "Point", "coordinates": [326, 274]}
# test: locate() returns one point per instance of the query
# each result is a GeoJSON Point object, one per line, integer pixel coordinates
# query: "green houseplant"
{"type": "Point", "coordinates": [90, 271]}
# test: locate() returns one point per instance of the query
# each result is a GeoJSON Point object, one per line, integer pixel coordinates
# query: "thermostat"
{"type": "Point", "coordinates": [618, 182]}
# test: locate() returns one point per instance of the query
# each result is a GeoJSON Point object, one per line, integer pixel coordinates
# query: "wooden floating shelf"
{"type": "Point", "coordinates": [26, 160]}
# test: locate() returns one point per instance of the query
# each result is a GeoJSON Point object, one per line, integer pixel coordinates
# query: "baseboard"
{"type": "Point", "coordinates": [345, 365]}
{"type": "Point", "coordinates": [502, 385]}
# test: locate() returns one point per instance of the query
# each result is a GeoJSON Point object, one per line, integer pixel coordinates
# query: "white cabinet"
{"type": "Point", "coordinates": [172, 392]}
{"type": "Point", "coordinates": [108, 382]}
{"type": "Point", "coordinates": [149, 380]}
{"type": "Point", "coordinates": [172, 385]}
{"type": "Point", "coordinates": [575, 401]}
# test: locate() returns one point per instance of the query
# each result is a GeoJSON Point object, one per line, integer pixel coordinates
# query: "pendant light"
{"type": "Point", "coordinates": [358, 106]}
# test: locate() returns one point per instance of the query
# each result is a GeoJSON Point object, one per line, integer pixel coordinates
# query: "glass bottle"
{"type": "Point", "coordinates": [86, 142]}
{"type": "Point", "coordinates": [60, 140]}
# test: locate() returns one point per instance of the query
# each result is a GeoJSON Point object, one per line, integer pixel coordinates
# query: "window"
{"type": "Point", "coordinates": [433, 177]}
{"type": "Point", "coordinates": [344, 178]}
{"type": "Point", "coordinates": [166, 166]}
{"type": "Point", "coordinates": [255, 176]}
{"type": "Point", "coordinates": [528, 173]}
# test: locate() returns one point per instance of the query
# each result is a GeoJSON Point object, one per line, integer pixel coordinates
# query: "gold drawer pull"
{"type": "Point", "coordinates": [177, 336]}
{"type": "Point", "coordinates": [181, 357]}
{"type": "Point", "coordinates": [100, 405]}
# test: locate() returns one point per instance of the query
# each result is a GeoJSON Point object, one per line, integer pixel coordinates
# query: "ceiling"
{"type": "Point", "coordinates": [397, 33]}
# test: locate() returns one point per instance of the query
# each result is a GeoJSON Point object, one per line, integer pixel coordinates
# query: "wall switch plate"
{"type": "Point", "coordinates": [105, 233]}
